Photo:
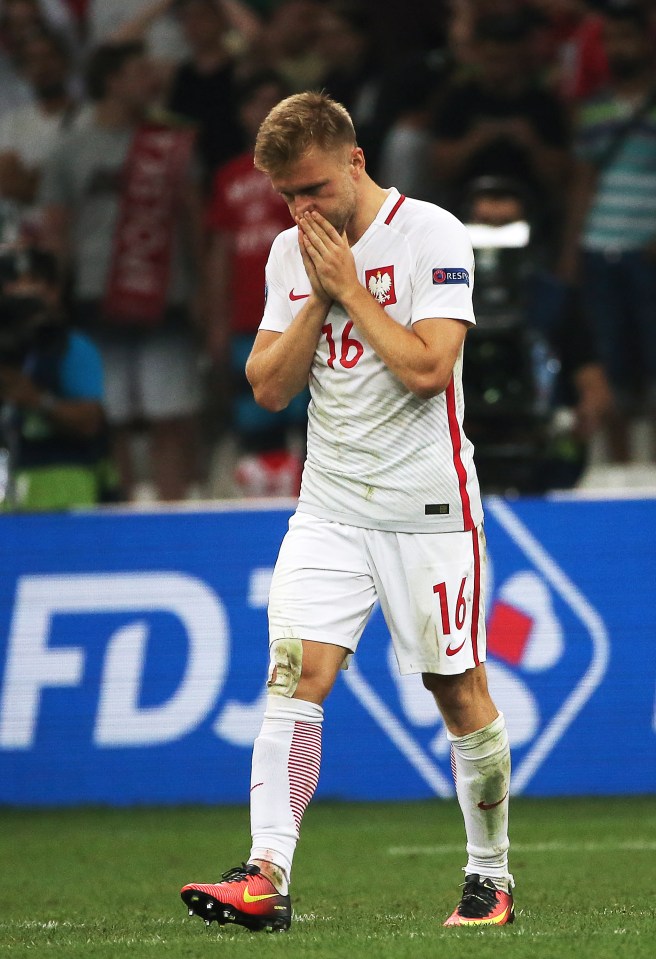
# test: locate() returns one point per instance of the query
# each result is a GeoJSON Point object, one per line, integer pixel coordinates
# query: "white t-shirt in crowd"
{"type": "Point", "coordinates": [32, 134]}
{"type": "Point", "coordinates": [164, 38]}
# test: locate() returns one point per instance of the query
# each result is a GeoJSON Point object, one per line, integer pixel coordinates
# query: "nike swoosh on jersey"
{"type": "Point", "coordinates": [297, 296]}
{"type": "Point", "coordinates": [452, 652]}
{"type": "Point", "coordinates": [249, 898]}
{"type": "Point", "coordinates": [491, 805]}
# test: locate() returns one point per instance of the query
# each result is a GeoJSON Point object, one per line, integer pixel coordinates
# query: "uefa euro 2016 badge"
{"type": "Point", "coordinates": [450, 274]}
{"type": "Point", "coordinates": [547, 653]}
{"type": "Point", "coordinates": [380, 283]}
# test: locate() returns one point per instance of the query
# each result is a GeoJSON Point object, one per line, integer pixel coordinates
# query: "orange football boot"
{"type": "Point", "coordinates": [482, 904]}
{"type": "Point", "coordinates": [244, 897]}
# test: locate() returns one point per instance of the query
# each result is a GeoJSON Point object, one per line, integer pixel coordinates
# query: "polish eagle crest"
{"type": "Point", "coordinates": [380, 285]}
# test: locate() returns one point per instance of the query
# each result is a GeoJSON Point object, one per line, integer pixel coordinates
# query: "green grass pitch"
{"type": "Point", "coordinates": [370, 880]}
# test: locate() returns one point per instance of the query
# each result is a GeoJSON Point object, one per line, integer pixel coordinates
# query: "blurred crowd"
{"type": "Point", "coordinates": [134, 228]}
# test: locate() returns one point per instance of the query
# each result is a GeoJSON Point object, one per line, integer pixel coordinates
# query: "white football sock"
{"type": "Point", "coordinates": [481, 769]}
{"type": "Point", "coordinates": [284, 776]}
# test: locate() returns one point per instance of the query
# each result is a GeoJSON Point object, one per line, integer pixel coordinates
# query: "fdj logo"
{"type": "Point", "coordinates": [36, 664]}
{"type": "Point", "coordinates": [547, 654]}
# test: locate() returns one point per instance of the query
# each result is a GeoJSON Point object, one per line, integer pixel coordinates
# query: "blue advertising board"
{"type": "Point", "coordinates": [133, 653]}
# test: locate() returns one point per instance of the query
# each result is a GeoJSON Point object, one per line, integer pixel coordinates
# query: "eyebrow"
{"type": "Point", "coordinates": [303, 188]}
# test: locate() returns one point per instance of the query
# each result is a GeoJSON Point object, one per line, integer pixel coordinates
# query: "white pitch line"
{"type": "Point", "coordinates": [634, 845]}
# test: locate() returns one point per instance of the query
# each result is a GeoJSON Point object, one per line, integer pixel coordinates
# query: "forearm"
{"type": "Point", "coordinates": [82, 418]}
{"type": "Point", "coordinates": [413, 361]}
{"type": "Point", "coordinates": [242, 19]}
{"type": "Point", "coordinates": [280, 370]}
{"type": "Point", "coordinates": [450, 155]}
{"type": "Point", "coordinates": [421, 358]}
{"type": "Point", "coordinates": [579, 196]}
{"type": "Point", "coordinates": [135, 28]}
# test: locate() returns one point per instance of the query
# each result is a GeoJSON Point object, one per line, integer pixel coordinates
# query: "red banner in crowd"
{"type": "Point", "coordinates": [152, 181]}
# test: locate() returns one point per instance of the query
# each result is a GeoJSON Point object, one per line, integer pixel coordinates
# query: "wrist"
{"type": "Point", "coordinates": [352, 295]}
{"type": "Point", "coordinates": [320, 305]}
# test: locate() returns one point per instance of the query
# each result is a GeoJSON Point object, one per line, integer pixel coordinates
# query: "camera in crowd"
{"type": "Point", "coordinates": [510, 373]}
{"type": "Point", "coordinates": [30, 317]}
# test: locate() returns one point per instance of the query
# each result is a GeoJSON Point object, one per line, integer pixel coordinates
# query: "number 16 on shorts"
{"type": "Point", "coordinates": [445, 632]}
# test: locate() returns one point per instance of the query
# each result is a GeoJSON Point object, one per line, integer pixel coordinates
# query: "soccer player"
{"type": "Point", "coordinates": [369, 298]}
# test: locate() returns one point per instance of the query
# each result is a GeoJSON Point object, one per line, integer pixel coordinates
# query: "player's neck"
{"type": "Point", "coordinates": [370, 201]}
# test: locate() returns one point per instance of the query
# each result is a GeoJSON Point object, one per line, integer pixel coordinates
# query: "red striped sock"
{"type": "Point", "coordinates": [285, 772]}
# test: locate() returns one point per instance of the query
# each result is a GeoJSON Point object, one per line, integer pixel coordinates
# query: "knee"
{"type": "Point", "coordinates": [285, 667]}
{"type": "Point", "coordinates": [449, 691]}
{"type": "Point", "coordinates": [298, 673]}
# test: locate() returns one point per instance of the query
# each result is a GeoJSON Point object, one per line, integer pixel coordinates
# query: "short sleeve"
{"type": "Point", "coordinates": [82, 371]}
{"type": "Point", "coordinates": [443, 277]}
{"type": "Point", "coordinates": [6, 132]}
{"type": "Point", "coordinates": [277, 311]}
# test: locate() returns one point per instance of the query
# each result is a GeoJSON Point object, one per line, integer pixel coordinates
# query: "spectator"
{"type": "Point", "coordinates": [576, 58]}
{"type": "Point", "coordinates": [502, 122]}
{"type": "Point", "coordinates": [14, 91]}
{"type": "Point", "coordinates": [19, 19]}
{"type": "Point", "coordinates": [122, 202]}
{"type": "Point", "coordinates": [204, 86]}
{"type": "Point", "coordinates": [28, 133]}
{"type": "Point", "coordinates": [410, 97]}
{"type": "Point", "coordinates": [244, 217]}
{"type": "Point", "coordinates": [353, 73]}
{"type": "Point", "coordinates": [51, 394]}
{"type": "Point", "coordinates": [156, 23]}
{"type": "Point", "coordinates": [610, 240]}
{"type": "Point", "coordinates": [546, 390]}
{"type": "Point", "coordinates": [461, 25]}
{"type": "Point", "coordinates": [290, 44]}
{"type": "Point", "coordinates": [152, 21]}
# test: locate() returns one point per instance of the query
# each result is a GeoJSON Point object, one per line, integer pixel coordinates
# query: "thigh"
{"type": "Point", "coordinates": [322, 589]}
{"type": "Point", "coordinates": [431, 589]}
{"type": "Point", "coordinates": [168, 374]}
{"type": "Point", "coordinates": [641, 293]}
{"type": "Point", "coordinates": [603, 297]}
{"type": "Point", "coordinates": [118, 359]}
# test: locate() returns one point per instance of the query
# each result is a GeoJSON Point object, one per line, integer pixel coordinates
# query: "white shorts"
{"type": "Point", "coordinates": [430, 586]}
{"type": "Point", "coordinates": [154, 376]}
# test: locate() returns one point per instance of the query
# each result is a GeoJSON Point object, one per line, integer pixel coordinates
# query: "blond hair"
{"type": "Point", "coordinates": [298, 123]}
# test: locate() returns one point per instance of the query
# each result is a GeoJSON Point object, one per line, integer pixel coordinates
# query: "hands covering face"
{"type": "Point", "coordinates": [326, 255]}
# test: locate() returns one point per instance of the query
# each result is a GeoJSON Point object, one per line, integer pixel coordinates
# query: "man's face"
{"type": "Point", "coordinates": [201, 22]}
{"type": "Point", "coordinates": [21, 16]}
{"type": "Point", "coordinates": [501, 61]}
{"type": "Point", "coordinates": [323, 181]}
{"type": "Point", "coordinates": [44, 66]}
{"type": "Point", "coordinates": [254, 111]}
{"type": "Point", "coordinates": [135, 84]}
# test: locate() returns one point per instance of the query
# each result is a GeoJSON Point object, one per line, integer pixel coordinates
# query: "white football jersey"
{"type": "Point", "coordinates": [377, 455]}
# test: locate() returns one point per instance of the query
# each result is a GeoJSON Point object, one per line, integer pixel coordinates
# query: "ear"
{"type": "Point", "coordinates": [357, 162]}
